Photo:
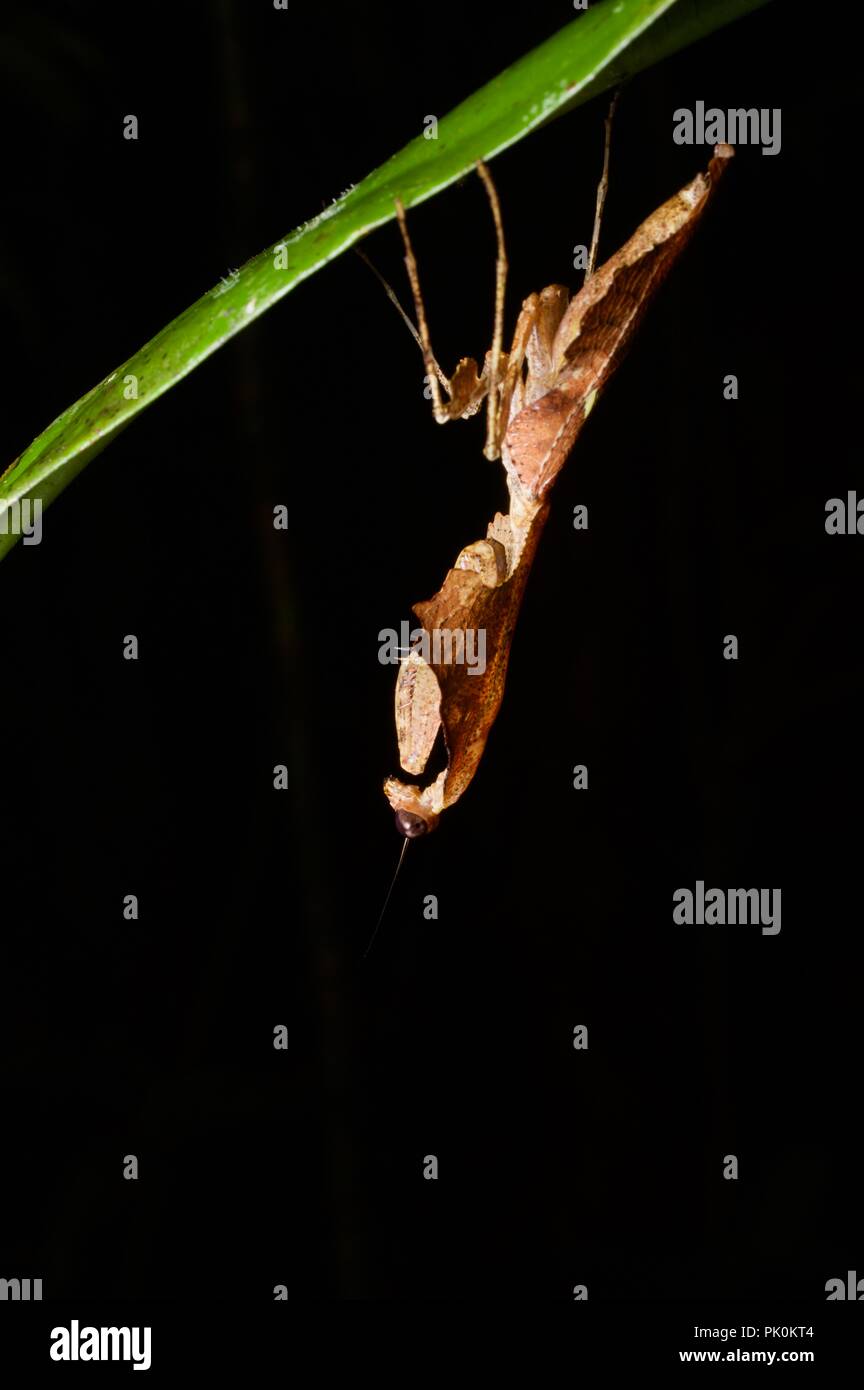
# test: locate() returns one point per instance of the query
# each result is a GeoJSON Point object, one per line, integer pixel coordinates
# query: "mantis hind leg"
{"type": "Point", "coordinates": [466, 388]}
{"type": "Point", "coordinates": [492, 448]}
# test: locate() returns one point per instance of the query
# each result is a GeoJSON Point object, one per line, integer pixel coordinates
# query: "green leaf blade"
{"type": "Point", "coordinates": [609, 41]}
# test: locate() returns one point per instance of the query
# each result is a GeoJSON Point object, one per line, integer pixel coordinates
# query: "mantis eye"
{"type": "Point", "coordinates": [410, 825]}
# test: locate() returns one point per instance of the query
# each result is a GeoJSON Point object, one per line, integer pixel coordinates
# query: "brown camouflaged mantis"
{"type": "Point", "coordinates": [537, 398]}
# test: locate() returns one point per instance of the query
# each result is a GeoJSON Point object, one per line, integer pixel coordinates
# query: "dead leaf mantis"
{"type": "Point", "coordinates": [537, 397]}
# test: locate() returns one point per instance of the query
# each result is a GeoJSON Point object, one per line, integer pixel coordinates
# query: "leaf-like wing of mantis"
{"type": "Point", "coordinates": [571, 351]}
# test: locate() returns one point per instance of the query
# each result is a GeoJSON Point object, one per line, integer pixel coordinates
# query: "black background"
{"type": "Point", "coordinates": [454, 1038]}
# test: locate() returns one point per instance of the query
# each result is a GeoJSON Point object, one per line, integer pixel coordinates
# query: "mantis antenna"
{"type": "Point", "coordinates": [387, 899]}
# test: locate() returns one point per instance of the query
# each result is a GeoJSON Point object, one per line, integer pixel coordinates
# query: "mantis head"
{"type": "Point", "coordinates": [416, 811]}
{"type": "Point", "coordinates": [409, 824]}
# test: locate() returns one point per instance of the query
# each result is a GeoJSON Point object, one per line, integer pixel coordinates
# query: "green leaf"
{"type": "Point", "coordinates": [612, 40]}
